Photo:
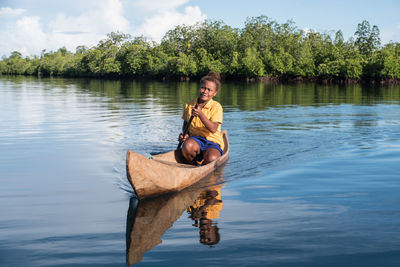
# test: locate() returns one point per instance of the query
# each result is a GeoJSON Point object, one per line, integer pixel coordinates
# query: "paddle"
{"type": "Point", "coordinates": [185, 130]}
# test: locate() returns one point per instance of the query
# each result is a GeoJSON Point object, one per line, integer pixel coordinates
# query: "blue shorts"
{"type": "Point", "coordinates": [206, 144]}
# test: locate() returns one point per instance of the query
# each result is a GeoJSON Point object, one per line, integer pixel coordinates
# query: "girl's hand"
{"type": "Point", "coordinates": [196, 111]}
{"type": "Point", "coordinates": [183, 138]}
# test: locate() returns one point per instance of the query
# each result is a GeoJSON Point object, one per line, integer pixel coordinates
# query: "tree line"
{"type": "Point", "coordinates": [263, 48]}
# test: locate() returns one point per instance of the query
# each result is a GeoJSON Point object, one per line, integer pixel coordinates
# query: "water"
{"type": "Point", "coordinates": [312, 179]}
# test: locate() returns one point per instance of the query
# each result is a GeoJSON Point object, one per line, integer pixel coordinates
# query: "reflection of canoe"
{"type": "Point", "coordinates": [148, 219]}
{"type": "Point", "coordinates": [151, 219]}
{"type": "Point", "coordinates": [164, 173]}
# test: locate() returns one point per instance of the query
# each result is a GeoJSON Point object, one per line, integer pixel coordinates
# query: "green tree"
{"type": "Point", "coordinates": [56, 63]}
{"type": "Point", "coordinates": [157, 62]}
{"type": "Point", "coordinates": [178, 40]}
{"type": "Point", "coordinates": [183, 65]}
{"type": "Point", "coordinates": [352, 61]}
{"type": "Point", "coordinates": [252, 65]}
{"type": "Point", "coordinates": [32, 65]}
{"type": "Point", "coordinates": [3, 65]}
{"type": "Point", "coordinates": [15, 64]}
{"type": "Point", "coordinates": [219, 41]}
{"type": "Point", "coordinates": [258, 34]}
{"type": "Point", "coordinates": [133, 57]}
{"type": "Point", "coordinates": [390, 57]}
{"type": "Point", "coordinates": [304, 64]}
{"type": "Point", "coordinates": [367, 38]}
{"type": "Point", "coordinates": [102, 59]}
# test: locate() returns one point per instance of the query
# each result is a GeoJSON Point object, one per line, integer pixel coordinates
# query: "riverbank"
{"type": "Point", "coordinates": [260, 79]}
{"type": "Point", "coordinates": [300, 79]}
{"type": "Point", "coordinates": [331, 80]}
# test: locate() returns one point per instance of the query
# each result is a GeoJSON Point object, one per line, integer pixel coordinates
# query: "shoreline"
{"type": "Point", "coordinates": [330, 80]}
{"type": "Point", "coordinates": [260, 79]}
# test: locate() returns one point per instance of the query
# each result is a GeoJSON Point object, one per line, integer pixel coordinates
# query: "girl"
{"type": "Point", "coordinates": [204, 141]}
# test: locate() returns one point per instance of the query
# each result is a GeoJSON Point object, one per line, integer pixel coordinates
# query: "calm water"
{"type": "Point", "coordinates": [313, 177]}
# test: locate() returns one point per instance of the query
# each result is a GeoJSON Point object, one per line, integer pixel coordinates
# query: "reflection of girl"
{"type": "Point", "coordinates": [206, 208]}
{"type": "Point", "coordinates": [209, 234]}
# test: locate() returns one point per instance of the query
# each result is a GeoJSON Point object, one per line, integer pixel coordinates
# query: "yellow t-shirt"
{"type": "Point", "coordinates": [214, 112]}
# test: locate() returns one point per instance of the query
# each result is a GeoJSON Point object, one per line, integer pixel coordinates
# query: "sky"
{"type": "Point", "coordinates": [30, 26]}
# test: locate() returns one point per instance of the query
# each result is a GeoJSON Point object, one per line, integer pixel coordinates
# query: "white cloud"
{"type": "Point", "coordinates": [89, 27]}
{"type": "Point", "coordinates": [8, 12]}
{"type": "Point", "coordinates": [159, 5]}
{"type": "Point", "coordinates": [25, 36]}
{"type": "Point", "coordinates": [157, 25]}
{"type": "Point", "coordinates": [30, 34]}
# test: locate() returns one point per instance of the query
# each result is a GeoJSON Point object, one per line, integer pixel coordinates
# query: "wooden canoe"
{"type": "Point", "coordinates": [165, 173]}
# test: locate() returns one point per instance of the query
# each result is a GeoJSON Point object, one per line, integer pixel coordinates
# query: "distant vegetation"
{"type": "Point", "coordinates": [263, 48]}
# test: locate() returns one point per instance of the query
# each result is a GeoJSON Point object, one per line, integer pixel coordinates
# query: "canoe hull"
{"type": "Point", "coordinates": [164, 173]}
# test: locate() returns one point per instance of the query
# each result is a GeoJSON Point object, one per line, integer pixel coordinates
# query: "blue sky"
{"type": "Point", "coordinates": [30, 26]}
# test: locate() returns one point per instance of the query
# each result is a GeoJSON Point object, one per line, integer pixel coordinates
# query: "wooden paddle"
{"type": "Point", "coordinates": [185, 131]}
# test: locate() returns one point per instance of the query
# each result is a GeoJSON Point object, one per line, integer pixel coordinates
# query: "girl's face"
{"type": "Point", "coordinates": [207, 91]}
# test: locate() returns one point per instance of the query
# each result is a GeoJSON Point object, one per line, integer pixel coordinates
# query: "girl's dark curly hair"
{"type": "Point", "coordinates": [212, 76]}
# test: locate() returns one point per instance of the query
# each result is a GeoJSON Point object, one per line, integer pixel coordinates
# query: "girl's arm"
{"type": "Point", "coordinates": [212, 126]}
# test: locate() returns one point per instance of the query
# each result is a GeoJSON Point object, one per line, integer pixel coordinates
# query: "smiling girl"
{"type": "Point", "coordinates": [204, 141]}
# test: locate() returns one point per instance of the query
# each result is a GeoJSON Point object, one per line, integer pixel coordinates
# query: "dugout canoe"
{"type": "Point", "coordinates": [165, 173]}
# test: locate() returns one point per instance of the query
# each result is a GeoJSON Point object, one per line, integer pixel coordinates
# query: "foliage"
{"type": "Point", "coordinates": [263, 47]}
{"type": "Point", "coordinates": [367, 38]}
{"type": "Point", "coordinates": [252, 65]}
{"type": "Point", "coordinates": [390, 59]}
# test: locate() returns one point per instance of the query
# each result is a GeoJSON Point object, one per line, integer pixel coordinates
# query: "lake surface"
{"type": "Point", "coordinates": [313, 177]}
